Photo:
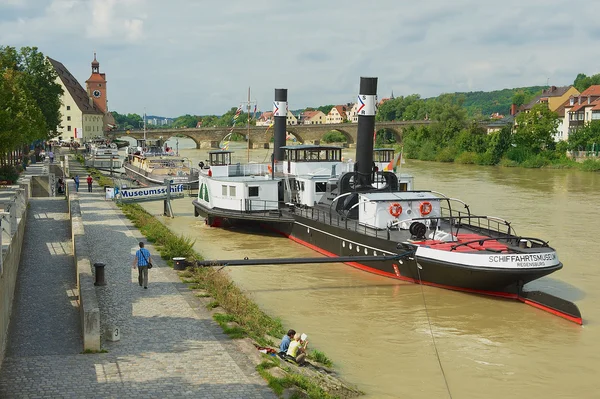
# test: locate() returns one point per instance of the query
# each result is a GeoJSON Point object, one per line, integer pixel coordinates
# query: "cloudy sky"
{"type": "Point", "coordinates": [173, 57]}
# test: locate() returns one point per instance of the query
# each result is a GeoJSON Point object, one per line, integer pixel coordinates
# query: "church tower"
{"type": "Point", "coordinates": [96, 87]}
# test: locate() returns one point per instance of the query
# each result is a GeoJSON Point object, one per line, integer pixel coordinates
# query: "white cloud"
{"type": "Point", "coordinates": [185, 56]}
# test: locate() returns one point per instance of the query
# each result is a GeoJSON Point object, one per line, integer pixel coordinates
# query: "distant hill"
{"type": "Point", "coordinates": [488, 102]}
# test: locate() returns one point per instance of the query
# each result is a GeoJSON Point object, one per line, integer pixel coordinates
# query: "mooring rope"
{"type": "Point", "coordinates": [437, 354]}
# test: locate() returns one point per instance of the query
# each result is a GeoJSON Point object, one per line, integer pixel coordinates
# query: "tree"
{"type": "Point", "coordinates": [29, 99]}
{"type": "Point", "coordinates": [39, 79]}
{"type": "Point", "coordinates": [582, 81]}
{"type": "Point", "coordinates": [585, 137]}
{"type": "Point", "coordinates": [536, 128]}
{"type": "Point", "coordinates": [186, 121]}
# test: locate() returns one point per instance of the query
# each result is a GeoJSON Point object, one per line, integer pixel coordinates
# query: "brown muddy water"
{"type": "Point", "coordinates": [377, 331]}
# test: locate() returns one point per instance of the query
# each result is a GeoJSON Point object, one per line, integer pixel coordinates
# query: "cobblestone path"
{"type": "Point", "coordinates": [168, 347]}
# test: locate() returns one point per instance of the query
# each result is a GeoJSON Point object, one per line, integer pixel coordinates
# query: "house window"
{"type": "Point", "coordinates": [68, 128]}
{"type": "Point", "coordinates": [253, 191]}
{"type": "Point", "coordinates": [232, 191]}
{"type": "Point", "coordinates": [68, 118]}
{"type": "Point", "coordinates": [320, 187]}
{"type": "Point", "coordinates": [224, 191]}
{"type": "Point", "coordinates": [68, 107]}
{"type": "Point", "coordinates": [595, 115]}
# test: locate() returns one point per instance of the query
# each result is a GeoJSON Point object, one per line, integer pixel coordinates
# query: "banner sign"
{"type": "Point", "coordinates": [148, 193]}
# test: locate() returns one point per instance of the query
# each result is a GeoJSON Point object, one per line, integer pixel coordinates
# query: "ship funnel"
{"type": "Point", "coordinates": [280, 108]}
{"type": "Point", "coordinates": [367, 108]}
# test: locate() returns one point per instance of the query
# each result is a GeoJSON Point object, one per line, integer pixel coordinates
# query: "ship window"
{"type": "Point", "coordinates": [253, 191]}
{"type": "Point", "coordinates": [320, 187]}
{"type": "Point", "coordinates": [232, 191]}
{"type": "Point", "coordinates": [224, 190]}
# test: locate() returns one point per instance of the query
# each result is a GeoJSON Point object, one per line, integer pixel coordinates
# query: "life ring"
{"type": "Point", "coordinates": [425, 208]}
{"type": "Point", "coordinates": [395, 209]}
{"type": "Point", "coordinates": [270, 169]}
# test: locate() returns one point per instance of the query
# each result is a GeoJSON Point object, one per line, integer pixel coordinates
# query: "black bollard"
{"type": "Point", "coordinates": [179, 263]}
{"type": "Point", "coordinates": [99, 267]}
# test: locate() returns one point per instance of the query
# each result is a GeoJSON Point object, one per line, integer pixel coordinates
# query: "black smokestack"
{"type": "Point", "coordinates": [367, 100]}
{"type": "Point", "coordinates": [280, 108]}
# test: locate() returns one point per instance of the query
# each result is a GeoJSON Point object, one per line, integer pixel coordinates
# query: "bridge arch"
{"type": "Point", "coordinates": [294, 132]}
{"type": "Point", "coordinates": [390, 132]}
{"type": "Point", "coordinates": [349, 137]}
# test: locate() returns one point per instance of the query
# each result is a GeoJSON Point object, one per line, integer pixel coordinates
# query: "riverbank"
{"type": "Point", "coordinates": [242, 319]}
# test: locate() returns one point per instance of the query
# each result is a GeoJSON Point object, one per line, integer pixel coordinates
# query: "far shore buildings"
{"type": "Point", "coordinates": [266, 119]}
{"type": "Point", "coordinates": [84, 113]}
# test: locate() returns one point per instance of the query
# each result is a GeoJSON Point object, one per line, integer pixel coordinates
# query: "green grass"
{"type": "Point", "coordinates": [320, 357]}
{"type": "Point", "coordinates": [278, 385]}
{"type": "Point", "coordinates": [212, 305]}
{"type": "Point", "coordinates": [235, 332]}
{"type": "Point", "coordinates": [167, 243]}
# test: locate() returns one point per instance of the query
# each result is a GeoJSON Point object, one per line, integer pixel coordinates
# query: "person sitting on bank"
{"type": "Point", "coordinates": [297, 349]}
{"type": "Point", "coordinates": [285, 343]}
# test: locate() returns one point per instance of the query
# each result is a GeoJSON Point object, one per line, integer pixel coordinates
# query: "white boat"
{"type": "Point", "coordinates": [150, 164]}
{"type": "Point", "coordinates": [103, 155]}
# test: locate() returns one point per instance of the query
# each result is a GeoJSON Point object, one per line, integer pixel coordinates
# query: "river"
{"type": "Point", "coordinates": [379, 331]}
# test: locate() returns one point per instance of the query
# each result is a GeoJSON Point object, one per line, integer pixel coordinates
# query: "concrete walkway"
{"type": "Point", "coordinates": [169, 347]}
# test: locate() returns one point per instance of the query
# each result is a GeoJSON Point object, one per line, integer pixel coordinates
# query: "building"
{"type": "Point", "coordinates": [338, 114]}
{"type": "Point", "coordinates": [579, 111]}
{"type": "Point", "coordinates": [97, 90]}
{"type": "Point", "coordinates": [291, 119]}
{"type": "Point", "coordinates": [81, 118]}
{"type": "Point", "coordinates": [313, 118]}
{"type": "Point", "coordinates": [553, 96]}
{"type": "Point", "coordinates": [265, 119]}
{"type": "Point", "coordinates": [352, 112]}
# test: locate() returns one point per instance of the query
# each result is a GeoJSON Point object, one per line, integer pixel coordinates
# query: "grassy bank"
{"type": "Point", "coordinates": [242, 317]}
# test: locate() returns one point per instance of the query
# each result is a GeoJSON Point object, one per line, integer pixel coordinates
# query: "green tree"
{"type": "Point", "coordinates": [585, 137]}
{"type": "Point", "coordinates": [536, 128]}
{"type": "Point", "coordinates": [39, 79]}
{"type": "Point", "coordinates": [186, 121]}
{"type": "Point", "coordinates": [583, 81]}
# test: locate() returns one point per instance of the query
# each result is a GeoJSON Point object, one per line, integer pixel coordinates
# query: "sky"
{"type": "Point", "coordinates": [175, 57]}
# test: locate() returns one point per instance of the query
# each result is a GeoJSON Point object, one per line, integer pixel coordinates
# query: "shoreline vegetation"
{"type": "Point", "coordinates": [240, 318]}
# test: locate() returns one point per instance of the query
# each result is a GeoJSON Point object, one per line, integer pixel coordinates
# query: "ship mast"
{"type": "Point", "coordinates": [248, 124]}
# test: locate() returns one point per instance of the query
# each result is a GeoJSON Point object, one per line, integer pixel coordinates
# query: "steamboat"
{"type": "Point", "coordinates": [371, 218]}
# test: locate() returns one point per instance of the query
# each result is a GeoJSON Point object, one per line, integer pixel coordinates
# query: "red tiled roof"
{"type": "Point", "coordinates": [79, 95]}
{"type": "Point", "coordinates": [592, 91]}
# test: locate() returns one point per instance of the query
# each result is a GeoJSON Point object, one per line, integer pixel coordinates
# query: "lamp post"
{"type": "Point", "coordinates": [177, 146]}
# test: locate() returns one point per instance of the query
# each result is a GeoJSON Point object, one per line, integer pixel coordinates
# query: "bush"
{"type": "Point", "coordinates": [334, 136]}
{"type": "Point", "coordinates": [467, 157]}
{"type": "Point", "coordinates": [427, 151]}
{"type": "Point", "coordinates": [486, 158]}
{"type": "Point", "coordinates": [9, 174]}
{"type": "Point", "coordinates": [446, 155]}
{"type": "Point", "coordinates": [536, 161]}
{"type": "Point", "coordinates": [590, 165]}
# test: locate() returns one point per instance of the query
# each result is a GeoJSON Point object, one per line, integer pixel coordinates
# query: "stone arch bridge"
{"type": "Point", "coordinates": [260, 136]}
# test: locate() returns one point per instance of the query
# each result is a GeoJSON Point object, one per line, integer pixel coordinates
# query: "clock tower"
{"type": "Point", "coordinates": [96, 87]}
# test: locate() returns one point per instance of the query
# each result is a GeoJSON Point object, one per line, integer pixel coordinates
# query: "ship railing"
{"type": "Point", "coordinates": [252, 169]}
{"type": "Point", "coordinates": [337, 220]}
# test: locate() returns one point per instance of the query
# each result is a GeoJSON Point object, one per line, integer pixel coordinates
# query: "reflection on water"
{"type": "Point", "coordinates": [376, 329]}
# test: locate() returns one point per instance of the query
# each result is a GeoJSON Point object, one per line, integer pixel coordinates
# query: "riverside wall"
{"type": "Point", "coordinates": [13, 199]}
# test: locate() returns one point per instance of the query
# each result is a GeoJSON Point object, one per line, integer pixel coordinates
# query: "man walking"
{"type": "Point", "coordinates": [76, 179]}
{"type": "Point", "coordinates": [89, 182]}
{"type": "Point", "coordinates": [141, 261]}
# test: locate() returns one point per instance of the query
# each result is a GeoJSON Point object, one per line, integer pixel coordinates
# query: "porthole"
{"type": "Point", "coordinates": [357, 248]}
{"type": "Point", "coordinates": [308, 230]}
{"type": "Point", "coordinates": [343, 244]}
{"type": "Point", "coordinates": [374, 253]}
{"type": "Point", "coordinates": [366, 251]}
{"type": "Point", "coordinates": [350, 246]}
